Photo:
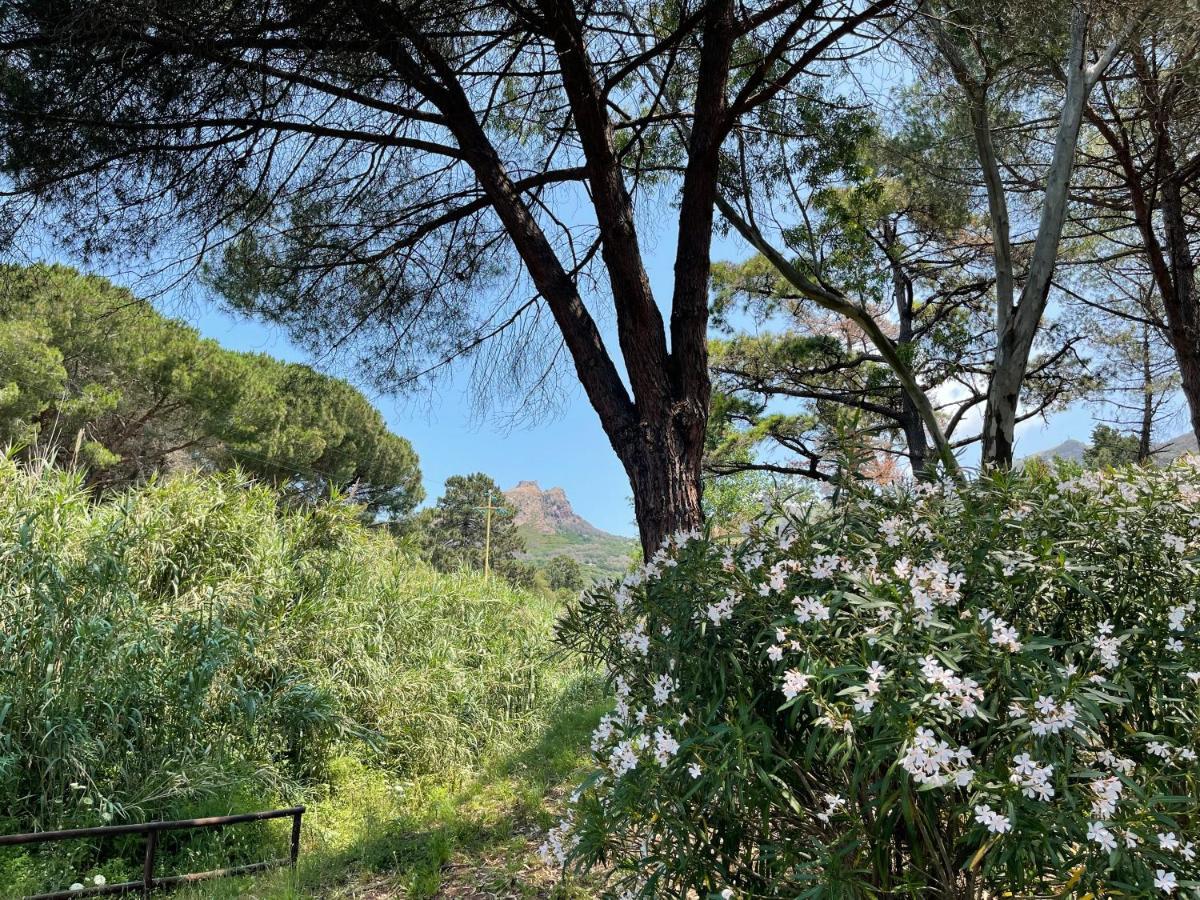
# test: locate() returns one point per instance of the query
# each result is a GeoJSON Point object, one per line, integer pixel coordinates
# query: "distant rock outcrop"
{"type": "Point", "coordinates": [548, 511]}
{"type": "Point", "coordinates": [550, 527]}
{"type": "Point", "coordinates": [1175, 447]}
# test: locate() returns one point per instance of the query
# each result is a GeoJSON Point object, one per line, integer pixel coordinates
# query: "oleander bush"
{"type": "Point", "coordinates": [931, 691]}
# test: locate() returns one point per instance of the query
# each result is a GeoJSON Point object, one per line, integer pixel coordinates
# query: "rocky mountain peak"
{"type": "Point", "coordinates": [547, 511]}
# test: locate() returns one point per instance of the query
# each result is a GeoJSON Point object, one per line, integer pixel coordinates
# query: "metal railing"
{"type": "Point", "coordinates": [148, 881]}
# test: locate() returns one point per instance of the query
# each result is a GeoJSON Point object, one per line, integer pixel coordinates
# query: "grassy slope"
{"type": "Point", "coordinates": [602, 556]}
{"type": "Point", "coordinates": [471, 837]}
{"type": "Point", "coordinates": [477, 729]}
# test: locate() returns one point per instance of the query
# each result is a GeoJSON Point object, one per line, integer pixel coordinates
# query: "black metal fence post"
{"type": "Point", "coordinates": [296, 836]}
{"type": "Point", "coordinates": [148, 865]}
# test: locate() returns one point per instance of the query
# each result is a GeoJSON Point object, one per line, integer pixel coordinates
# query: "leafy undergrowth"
{"type": "Point", "coordinates": [193, 648]}
{"type": "Point", "coordinates": [371, 838]}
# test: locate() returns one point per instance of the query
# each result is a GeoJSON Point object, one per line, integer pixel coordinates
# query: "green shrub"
{"type": "Point", "coordinates": [927, 692]}
{"type": "Point", "coordinates": [192, 647]}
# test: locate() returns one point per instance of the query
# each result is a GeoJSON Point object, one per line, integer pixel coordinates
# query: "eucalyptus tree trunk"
{"type": "Point", "coordinates": [1018, 317]}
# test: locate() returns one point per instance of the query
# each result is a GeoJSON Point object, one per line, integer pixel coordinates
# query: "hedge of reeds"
{"type": "Point", "coordinates": [192, 645]}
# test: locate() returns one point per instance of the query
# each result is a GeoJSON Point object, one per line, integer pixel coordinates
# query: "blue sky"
{"type": "Point", "coordinates": [568, 450]}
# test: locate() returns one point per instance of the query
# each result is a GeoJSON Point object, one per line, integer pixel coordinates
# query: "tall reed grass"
{"type": "Point", "coordinates": [191, 643]}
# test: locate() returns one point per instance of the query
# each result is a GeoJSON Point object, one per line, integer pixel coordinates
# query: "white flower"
{"type": "Point", "coordinates": [992, 820]}
{"type": "Point", "coordinates": [890, 529]}
{"type": "Point", "coordinates": [876, 672]}
{"type": "Point", "coordinates": [1003, 634]}
{"type": "Point", "coordinates": [1032, 778]}
{"type": "Point", "coordinates": [1168, 841]}
{"type": "Point", "coordinates": [832, 804]}
{"type": "Point", "coordinates": [794, 681]}
{"type": "Point", "coordinates": [1177, 615]}
{"type": "Point", "coordinates": [1194, 676]}
{"type": "Point", "coordinates": [636, 641]}
{"type": "Point", "coordinates": [727, 894]}
{"type": "Point", "coordinates": [775, 653]}
{"type": "Point", "coordinates": [1052, 717]}
{"type": "Point", "coordinates": [1165, 881]}
{"type": "Point", "coordinates": [810, 610]}
{"type": "Point", "coordinates": [1107, 792]}
{"type": "Point", "coordinates": [665, 746]}
{"type": "Point", "coordinates": [1122, 764]}
{"type": "Point", "coordinates": [663, 689]}
{"type": "Point", "coordinates": [825, 566]}
{"type": "Point", "coordinates": [623, 758]}
{"type": "Point", "coordinates": [930, 761]}
{"type": "Point", "coordinates": [694, 770]}
{"type": "Point", "coordinates": [1097, 833]}
{"type": "Point", "coordinates": [100, 880]}
{"type": "Point", "coordinates": [1159, 749]}
{"type": "Point", "coordinates": [865, 703]}
{"type": "Point", "coordinates": [1107, 646]}
{"type": "Point", "coordinates": [963, 692]}
{"type": "Point", "coordinates": [723, 609]}
{"type": "Point", "coordinates": [559, 842]}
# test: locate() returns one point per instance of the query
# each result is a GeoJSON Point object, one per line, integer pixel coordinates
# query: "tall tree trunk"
{"type": "Point", "coordinates": [1147, 399]}
{"type": "Point", "coordinates": [1017, 324]}
{"type": "Point", "coordinates": [658, 433]}
{"type": "Point", "coordinates": [1004, 395]}
{"type": "Point", "coordinates": [1182, 305]}
{"type": "Point", "coordinates": [915, 439]}
{"type": "Point", "coordinates": [663, 466]}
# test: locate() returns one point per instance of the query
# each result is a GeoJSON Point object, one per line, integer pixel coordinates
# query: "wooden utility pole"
{"type": "Point", "coordinates": [487, 536]}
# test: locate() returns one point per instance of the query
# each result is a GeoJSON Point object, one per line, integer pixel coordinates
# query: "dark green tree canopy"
{"type": "Point", "coordinates": [1110, 448]}
{"type": "Point", "coordinates": [457, 529]}
{"type": "Point", "coordinates": [564, 573]}
{"type": "Point", "coordinates": [95, 376]}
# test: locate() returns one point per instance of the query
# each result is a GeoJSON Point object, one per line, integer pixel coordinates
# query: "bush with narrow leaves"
{"type": "Point", "coordinates": [928, 691]}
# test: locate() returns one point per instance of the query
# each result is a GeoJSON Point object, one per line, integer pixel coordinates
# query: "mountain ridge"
{"type": "Point", "coordinates": [550, 527]}
{"type": "Point", "coordinates": [1163, 453]}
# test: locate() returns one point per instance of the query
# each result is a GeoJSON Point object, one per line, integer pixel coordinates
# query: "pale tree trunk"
{"type": "Point", "coordinates": [1017, 322]}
